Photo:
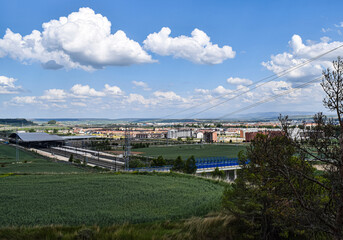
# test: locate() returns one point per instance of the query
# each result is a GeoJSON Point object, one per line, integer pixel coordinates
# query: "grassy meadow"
{"type": "Point", "coordinates": [198, 150]}
{"type": "Point", "coordinates": [31, 163]}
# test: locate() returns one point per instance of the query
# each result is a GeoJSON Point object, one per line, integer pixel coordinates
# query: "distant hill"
{"type": "Point", "coordinates": [68, 119]}
{"type": "Point", "coordinates": [16, 122]}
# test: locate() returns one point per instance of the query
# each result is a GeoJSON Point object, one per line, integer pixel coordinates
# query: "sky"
{"type": "Point", "coordinates": [163, 59]}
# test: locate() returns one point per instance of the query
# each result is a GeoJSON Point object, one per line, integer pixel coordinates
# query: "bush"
{"type": "Point", "coordinates": [136, 163]}
{"type": "Point", "coordinates": [52, 122]}
{"type": "Point", "coordinates": [77, 161]}
{"type": "Point", "coordinates": [190, 166]}
{"type": "Point", "coordinates": [178, 165]}
{"type": "Point", "coordinates": [218, 173]}
{"type": "Point", "coordinates": [159, 162]}
{"type": "Point", "coordinates": [71, 158]}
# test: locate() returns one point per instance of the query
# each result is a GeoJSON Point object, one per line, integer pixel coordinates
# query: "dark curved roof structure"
{"type": "Point", "coordinates": [35, 137]}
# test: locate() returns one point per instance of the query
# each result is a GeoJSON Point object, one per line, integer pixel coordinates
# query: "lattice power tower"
{"type": "Point", "coordinates": [127, 147]}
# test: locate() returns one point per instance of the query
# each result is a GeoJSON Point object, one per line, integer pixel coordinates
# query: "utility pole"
{"type": "Point", "coordinates": [16, 148]}
{"type": "Point", "coordinates": [127, 148]}
{"type": "Point", "coordinates": [167, 134]}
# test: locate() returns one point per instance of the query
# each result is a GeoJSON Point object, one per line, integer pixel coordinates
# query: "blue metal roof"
{"type": "Point", "coordinates": [36, 137]}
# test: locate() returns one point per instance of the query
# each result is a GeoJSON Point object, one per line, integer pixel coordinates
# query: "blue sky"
{"type": "Point", "coordinates": [166, 57]}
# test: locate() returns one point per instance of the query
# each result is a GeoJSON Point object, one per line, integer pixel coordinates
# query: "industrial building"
{"type": "Point", "coordinates": [36, 139]}
{"type": "Point", "coordinates": [43, 140]}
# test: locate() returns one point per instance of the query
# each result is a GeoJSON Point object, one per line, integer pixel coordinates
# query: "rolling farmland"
{"type": "Point", "coordinates": [55, 193]}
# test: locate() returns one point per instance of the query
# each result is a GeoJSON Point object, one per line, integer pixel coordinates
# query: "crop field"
{"type": "Point", "coordinates": [43, 192]}
{"type": "Point", "coordinates": [30, 163]}
{"type": "Point", "coordinates": [103, 199]}
{"type": "Point", "coordinates": [199, 151]}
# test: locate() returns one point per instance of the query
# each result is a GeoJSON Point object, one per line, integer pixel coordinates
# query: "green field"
{"type": "Point", "coordinates": [103, 199]}
{"type": "Point", "coordinates": [199, 151]}
{"type": "Point", "coordinates": [30, 163]}
{"type": "Point", "coordinates": [56, 193]}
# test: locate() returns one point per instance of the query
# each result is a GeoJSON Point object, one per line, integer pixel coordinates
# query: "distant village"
{"type": "Point", "coordinates": [209, 133]}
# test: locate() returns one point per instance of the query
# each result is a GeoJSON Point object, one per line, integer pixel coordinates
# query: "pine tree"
{"type": "Point", "coordinates": [178, 165]}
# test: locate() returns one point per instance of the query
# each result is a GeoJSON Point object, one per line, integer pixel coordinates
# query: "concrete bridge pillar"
{"type": "Point", "coordinates": [231, 175]}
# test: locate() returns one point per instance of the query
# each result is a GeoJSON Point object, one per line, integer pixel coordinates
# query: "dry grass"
{"type": "Point", "coordinates": [213, 226]}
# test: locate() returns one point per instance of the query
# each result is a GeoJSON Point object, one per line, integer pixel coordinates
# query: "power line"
{"type": "Point", "coordinates": [272, 98]}
{"type": "Point", "coordinates": [271, 78]}
{"type": "Point", "coordinates": [274, 78]}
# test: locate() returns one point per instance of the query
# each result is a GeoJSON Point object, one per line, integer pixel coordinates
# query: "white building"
{"type": "Point", "coordinates": [179, 133]}
{"type": "Point", "coordinates": [199, 135]}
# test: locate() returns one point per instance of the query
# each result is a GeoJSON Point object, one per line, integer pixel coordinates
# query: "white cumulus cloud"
{"type": "Point", "coordinates": [141, 84]}
{"type": "Point", "coordinates": [301, 52]}
{"type": "Point", "coordinates": [7, 85]}
{"type": "Point", "coordinates": [168, 95]}
{"type": "Point", "coordinates": [112, 90]}
{"type": "Point", "coordinates": [83, 40]}
{"type": "Point", "coordinates": [79, 90]}
{"type": "Point", "coordinates": [54, 95]}
{"type": "Point", "coordinates": [198, 48]}
{"type": "Point", "coordinates": [239, 81]}
{"type": "Point", "coordinates": [24, 100]}
{"type": "Point", "coordinates": [137, 98]}
{"type": "Point", "coordinates": [202, 91]}
{"type": "Point", "coordinates": [221, 90]}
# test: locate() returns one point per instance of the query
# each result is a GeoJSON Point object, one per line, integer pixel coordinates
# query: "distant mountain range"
{"type": "Point", "coordinates": [258, 116]}
{"type": "Point", "coordinates": [271, 115]}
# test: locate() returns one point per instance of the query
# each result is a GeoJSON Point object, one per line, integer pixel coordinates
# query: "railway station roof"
{"type": "Point", "coordinates": [80, 137]}
{"type": "Point", "coordinates": [36, 137]}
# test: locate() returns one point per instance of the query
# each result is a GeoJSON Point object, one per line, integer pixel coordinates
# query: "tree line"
{"type": "Point", "coordinates": [292, 185]}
